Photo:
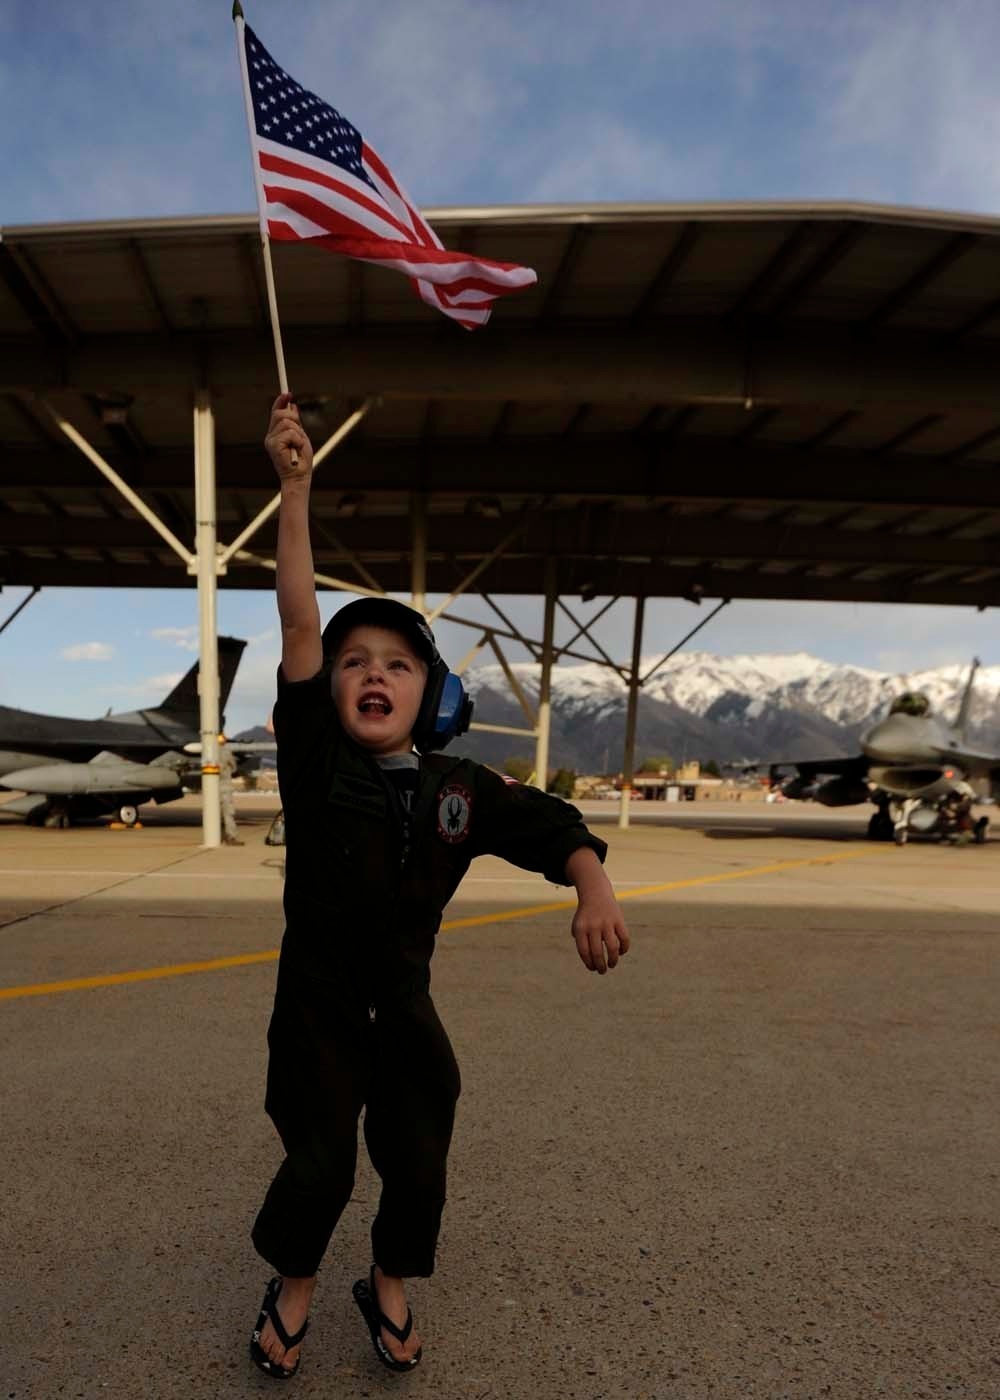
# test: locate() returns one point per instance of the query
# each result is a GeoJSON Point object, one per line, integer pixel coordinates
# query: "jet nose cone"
{"type": "Point", "coordinates": [878, 742]}
{"type": "Point", "coordinates": [897, 739]}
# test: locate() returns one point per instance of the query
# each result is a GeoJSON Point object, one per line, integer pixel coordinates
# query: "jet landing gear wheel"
{"type": "Point", "coordinates": [880, 827]}
{"type": "Point", "coordinates": [899, 835]}
{"type": "Point", "coordinates": [56, 819]}
{"type": "Point", "coordinates": [128, 815]}
{"type": "Point", "coordinates": [979, 831]}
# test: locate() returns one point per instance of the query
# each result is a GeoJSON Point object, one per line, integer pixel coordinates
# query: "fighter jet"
{"type": "Point", "coordinates": [917, 770]}
{"type": "Point", "coordinates": [73, 768]}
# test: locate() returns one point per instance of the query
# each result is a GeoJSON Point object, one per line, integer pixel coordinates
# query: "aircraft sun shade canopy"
{"type": "Point", "coordinates": [747, 401]}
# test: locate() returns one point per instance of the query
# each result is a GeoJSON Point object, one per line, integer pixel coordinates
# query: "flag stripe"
{"type": "Point", "coordinates": [388, 253]}
{"type": "Point", "coordinates": [381, 174]}
{"type": "Point", "coordinates": [286, 225]}
{"type": "Point", "coordinates": [314, 184]}
{"type": "Point", "coordinates": [311, 164]}
{"type": "Point", "coordinates": [332, 214]}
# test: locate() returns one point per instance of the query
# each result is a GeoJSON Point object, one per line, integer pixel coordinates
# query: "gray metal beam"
{"type": "Point", "coordinates": [972, 446]}
{"type": "Point", "coordinates": [685, 360]}
{"type": "Point", "coordinates": [984, 317]}
{"type": "Point", "coordinates": [821, 267]}
{"type": "Point", "coordinates": [17, 270]}
{"type": "Point", "coordinates": [40, 427]}
{"type": "Point", "coordinates": [623, 534]}
{"type": "Point", "coordinates": [933, 268]}
{"type": "Point", "coordinates": [651, 299]}
{"type": "Point", "coordinates": [526, 576]}
{"type": "Point", "coordinates": [907, 434]}
{"type": "Point", "coordinates": [20, 608]}
{"type": "Point", "coordinates": [563, 275]}
{"type": "Point", "coordinates": [145, 279]}
{"type": "Point", "coordinates": [830, 431]}
{"type": "Point", "coordinates": [689, 469]}
{"type": "Point", "coordinates": [770, 272]}
{"type": "Point", "coordinates": [758, 422]}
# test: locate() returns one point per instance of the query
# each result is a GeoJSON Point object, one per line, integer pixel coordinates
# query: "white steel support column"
{"type": "Point", "coordinates": [418, 558]}
{"type": "Point", "coordinates": [208, 669]}
{"type": "Point", "coordinates": [543, 721]}
{"type": "Point", "coordinates": [628, 764]}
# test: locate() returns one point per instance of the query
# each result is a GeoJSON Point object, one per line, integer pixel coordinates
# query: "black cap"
{"type": "Point", "coordinates": [381, 612]}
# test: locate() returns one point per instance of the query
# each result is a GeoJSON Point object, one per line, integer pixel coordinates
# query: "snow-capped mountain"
{"type": "Point", "coordinates": [767, 705]}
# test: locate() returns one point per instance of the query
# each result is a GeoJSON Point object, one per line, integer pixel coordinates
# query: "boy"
{"type": "Point", "coordinates": [377, 839]}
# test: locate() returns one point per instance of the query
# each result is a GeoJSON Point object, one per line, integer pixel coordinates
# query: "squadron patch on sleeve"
{"type": "Point", "coordinates": [454, 811]}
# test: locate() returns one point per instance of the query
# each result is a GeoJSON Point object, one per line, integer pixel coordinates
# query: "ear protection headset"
{"type": "Point", "coordinates": [445, 710]}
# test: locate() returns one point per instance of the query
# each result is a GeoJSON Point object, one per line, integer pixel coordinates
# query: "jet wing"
{"type": "Point", "coordinates": [835, 782]}
{"type": "Point", "coordinates": [108, 777]}
{"type": "Point", "coordinates": [854, 767]}
{"type": "Point", "coordinates": [237, 747]}
{"type": "Point", "coordinates": [972, 761]}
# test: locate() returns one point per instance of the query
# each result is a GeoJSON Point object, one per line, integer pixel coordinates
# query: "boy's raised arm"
{"type": "Point", "coordinates": [301, 648]}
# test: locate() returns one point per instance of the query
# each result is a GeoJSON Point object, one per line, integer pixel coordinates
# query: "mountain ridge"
{"type": "Point", "coordinates": [744, 707]}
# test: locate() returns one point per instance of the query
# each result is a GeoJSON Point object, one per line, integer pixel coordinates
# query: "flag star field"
{"type": "Point", "coordinates": [285, 111]}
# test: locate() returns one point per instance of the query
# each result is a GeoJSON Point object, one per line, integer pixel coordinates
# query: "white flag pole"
{"type": "Point", "coordinates": [265, 242]}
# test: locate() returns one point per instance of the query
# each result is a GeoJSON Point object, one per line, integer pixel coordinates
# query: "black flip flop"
{"type": "Point", "coordinates": [367, 1300]}
{"type": "Point", "coordinates": [269, 1309]}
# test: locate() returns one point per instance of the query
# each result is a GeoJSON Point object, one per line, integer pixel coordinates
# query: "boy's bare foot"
{"type": "Point", "coordinates": [391, 1299]}
{"type": "Point", "coordinates": [293, 1308]}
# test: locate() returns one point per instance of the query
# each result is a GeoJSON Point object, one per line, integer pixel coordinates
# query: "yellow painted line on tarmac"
{"type": "Point", "coordinates": [653, 889]}
{"type": "Point", "coordinates": [149, 974]}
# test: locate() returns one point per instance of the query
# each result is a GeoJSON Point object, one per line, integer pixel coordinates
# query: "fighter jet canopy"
{"type": "Point", "coordinates": [911, 702]}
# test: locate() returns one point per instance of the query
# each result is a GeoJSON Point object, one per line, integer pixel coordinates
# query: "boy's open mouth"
{"type": "Point", "coordinates": [374, 703]}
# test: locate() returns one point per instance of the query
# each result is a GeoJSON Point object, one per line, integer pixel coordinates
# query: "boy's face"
{"type": "Point", "coordinates": [378, 684]}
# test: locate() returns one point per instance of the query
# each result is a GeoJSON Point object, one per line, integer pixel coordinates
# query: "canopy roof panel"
{"type": "Point", "coordinates": [748, 400]}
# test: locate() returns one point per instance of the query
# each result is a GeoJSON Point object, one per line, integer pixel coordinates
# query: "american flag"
{"type": "Point", "coordinates": [319, 180]}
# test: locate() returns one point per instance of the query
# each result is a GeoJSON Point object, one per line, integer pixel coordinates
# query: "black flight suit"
{"type": "Point", "coordinates": [353, 1024]}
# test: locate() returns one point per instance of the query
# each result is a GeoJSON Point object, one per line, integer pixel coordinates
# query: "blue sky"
{"type": "Point", "coordinates": [117, 108]}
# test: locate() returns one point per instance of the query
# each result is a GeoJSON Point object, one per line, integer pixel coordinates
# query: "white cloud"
{"type": "Point", "coordinates": [255, 680]}
{"type": "Point", "coordinates": [184, 637]}
{"type": "Point", "coordinates": [88, 651]}
{"type": "Point", "coordinates": [899, 661]}
{"type": "Point", "coordinates": [905, 105]}
{"type": "Point", "coordinates": [187, 637]}
{"type": "Point", "coordinates": [603, 158]}
{"type": "Point", "coordinates": [150, 689]}
{"type": "Point", "coordinates": [162, 683]}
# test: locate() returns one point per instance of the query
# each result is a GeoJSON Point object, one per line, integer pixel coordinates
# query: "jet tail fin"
{"type": "Point", "coordinates": [182, 702]}
{"type": "Point", "coordinates": [966, 702]}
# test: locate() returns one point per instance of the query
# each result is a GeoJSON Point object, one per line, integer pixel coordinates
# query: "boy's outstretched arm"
{"type": "Point", "coordinates": [301, 648]}
{"type": "Point", "coordinates": [598, 925]}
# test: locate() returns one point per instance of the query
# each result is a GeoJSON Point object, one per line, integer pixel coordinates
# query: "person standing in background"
{"type": "Point", "coordinates": [227, 768]}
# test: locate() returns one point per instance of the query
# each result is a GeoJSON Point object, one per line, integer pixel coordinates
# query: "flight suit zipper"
{"type": "Point", "coordinates": [399, 817]}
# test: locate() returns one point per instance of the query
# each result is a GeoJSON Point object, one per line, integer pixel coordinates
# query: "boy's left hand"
{"type": "Point", "coordinates": [599, 930]}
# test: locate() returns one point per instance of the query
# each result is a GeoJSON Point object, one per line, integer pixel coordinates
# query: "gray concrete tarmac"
{"type": "Point", "coordinates": [760, 1159]}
